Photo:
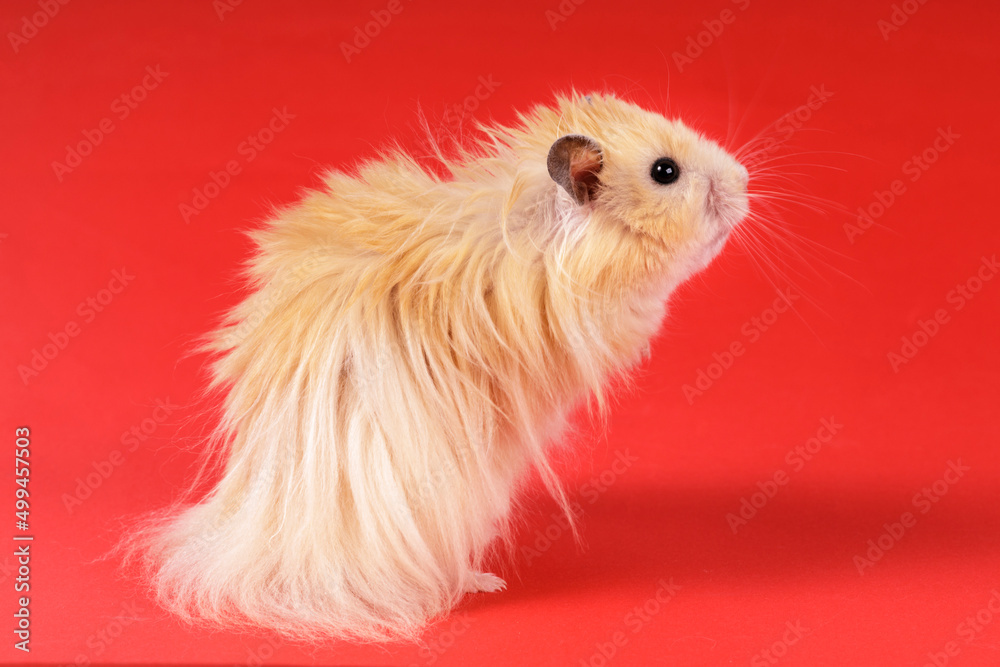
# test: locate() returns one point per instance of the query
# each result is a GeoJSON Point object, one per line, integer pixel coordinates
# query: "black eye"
{"type": "Point", "coordinates": [665, 171]}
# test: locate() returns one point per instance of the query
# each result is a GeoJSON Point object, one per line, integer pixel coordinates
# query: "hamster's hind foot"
{"type": "Point", "coordinates": [484, 582]}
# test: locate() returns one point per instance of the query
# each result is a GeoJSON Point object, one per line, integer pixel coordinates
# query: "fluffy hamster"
{"type": "Point", "coordinates": [412, 346]}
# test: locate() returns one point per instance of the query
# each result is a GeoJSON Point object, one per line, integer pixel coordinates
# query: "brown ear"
{"type": "Point", "coordinates": [574, 162]}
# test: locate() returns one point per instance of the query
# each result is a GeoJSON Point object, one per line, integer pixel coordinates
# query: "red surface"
{"type": "Point", "coordinates": [664, 516]}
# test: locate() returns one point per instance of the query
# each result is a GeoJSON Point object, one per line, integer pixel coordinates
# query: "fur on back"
{"type": "Point", "coordinates": [410, 348]}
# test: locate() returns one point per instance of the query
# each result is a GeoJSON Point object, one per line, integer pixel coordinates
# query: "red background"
{"type": "Point", "coordinates": [665, 516]}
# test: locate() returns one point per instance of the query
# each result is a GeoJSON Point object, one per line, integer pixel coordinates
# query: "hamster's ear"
{"type": "Point", "coordinates": [574, 162]}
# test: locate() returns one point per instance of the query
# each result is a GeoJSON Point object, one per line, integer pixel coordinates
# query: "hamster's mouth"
{"type": "Point", "coordinates": [722, 230]}
{"type": "Point", "coordinates": [719, 240]}
{"type": "Point", "coordinates": [727, 211]}
{"type": "Point", "coordinates": [709, 249]}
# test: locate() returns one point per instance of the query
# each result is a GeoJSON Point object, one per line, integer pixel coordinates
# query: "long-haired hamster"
{"type": "Point", "coordinates": [411, 347]}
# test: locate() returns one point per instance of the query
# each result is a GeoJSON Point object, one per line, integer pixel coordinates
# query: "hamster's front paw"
{"type": "Point", "coordinates": [484, 582]}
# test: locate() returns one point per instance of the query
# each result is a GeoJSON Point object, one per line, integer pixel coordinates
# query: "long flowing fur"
{"type": "Point", "coordinates": [411, 347]}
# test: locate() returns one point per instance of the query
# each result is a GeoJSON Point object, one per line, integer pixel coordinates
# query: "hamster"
{"type": "Point", "coordinates": [411, 347]}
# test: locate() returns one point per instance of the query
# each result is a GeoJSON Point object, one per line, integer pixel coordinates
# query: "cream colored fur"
{"type": "Point", "coordinates": [411, 348]}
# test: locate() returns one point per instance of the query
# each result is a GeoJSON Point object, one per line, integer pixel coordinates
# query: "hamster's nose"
{"type": "Point", "coordinates": [744, 176]}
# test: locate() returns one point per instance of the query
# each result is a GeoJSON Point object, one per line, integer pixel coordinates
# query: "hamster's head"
{"type": "Point", "coordinates": [674, 193]}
